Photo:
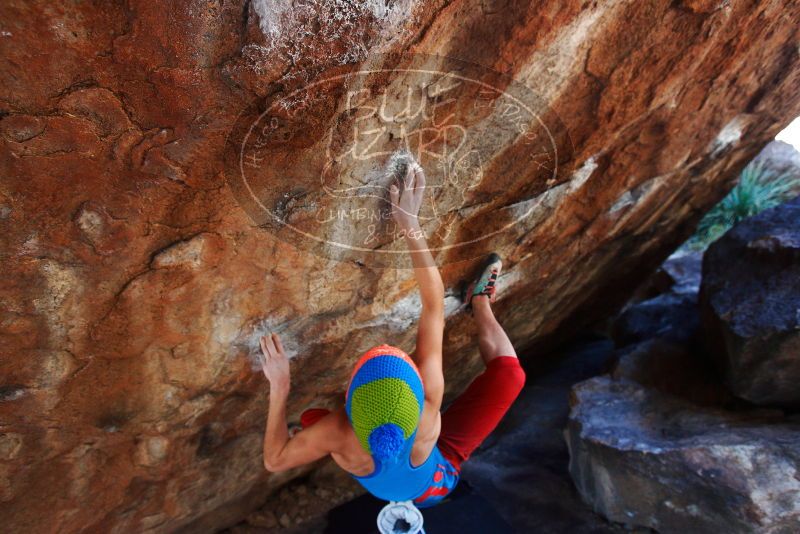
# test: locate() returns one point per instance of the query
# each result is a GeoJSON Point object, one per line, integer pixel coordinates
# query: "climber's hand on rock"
{"type": "Point", "coordinates": [407, 202]}
{"type": "Point", "coordinates": [275, 363]}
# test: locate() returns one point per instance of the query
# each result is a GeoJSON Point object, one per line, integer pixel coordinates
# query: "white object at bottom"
{"type": "Point", "coordinates": [400, 518]}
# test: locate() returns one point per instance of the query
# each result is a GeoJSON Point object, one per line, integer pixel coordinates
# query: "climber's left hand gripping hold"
{"type": "Point", "coordinates": [275, 363]}
{"type": "Point", "coordinates": [310, 444]}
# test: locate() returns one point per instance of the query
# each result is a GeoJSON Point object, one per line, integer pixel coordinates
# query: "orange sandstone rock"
{"type": "Point", "coordinates": [137, 278]}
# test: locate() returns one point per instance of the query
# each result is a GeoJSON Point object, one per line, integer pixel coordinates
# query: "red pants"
{"type": "Point", "coordinates": [477, 411]}
{"type": "Point", "coordinates": [474, 414]}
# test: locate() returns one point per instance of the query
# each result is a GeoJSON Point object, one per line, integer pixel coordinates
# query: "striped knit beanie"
{"type": "Point", "coordinates": [384, 401]}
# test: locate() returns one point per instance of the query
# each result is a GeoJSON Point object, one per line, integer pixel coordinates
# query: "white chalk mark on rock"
{"type": "Point", "coordinates": [730, 134]}
{"type": "Point", "coordinates": [263, 328]}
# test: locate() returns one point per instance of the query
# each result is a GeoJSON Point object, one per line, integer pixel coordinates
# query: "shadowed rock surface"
{"type": "Point", "coordinates": [135, 284]}
{"type": "Point", "coordinates": [647, 459]}
{"type": "Point", "coordinates": [668, 316]}
{"type": "Point", "coordinates": [673, 368]}
{"type": "Point", "coordinates": [751, 306]}
{"type": "Point", "coordinates": [680, 274]}
{"type": "Point", "coordinates": [668, 310]}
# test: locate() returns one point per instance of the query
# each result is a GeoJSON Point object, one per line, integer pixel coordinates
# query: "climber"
{"type": "Point", "coordinates": [389, 434]}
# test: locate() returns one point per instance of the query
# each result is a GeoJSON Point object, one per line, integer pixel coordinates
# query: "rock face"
{"type": "Point", "coordinates": [780, 158]}
{"type": "Point", "coordinates": [668, 310]}
{"type": "Point", "coordinates": [643, 458]}
{"type": "Point", "coordinates": [680, 274]}
{"type": "Point", "coordinates": [669, 316]}
{"type": "Point", "coordinates": [751, 305]}
{"type": "Point", "coordinates": [661, 442]}
{"type": "Point", "coordinates": [675, 369]}
{"type": "Point", "coordinates": [138, 274]}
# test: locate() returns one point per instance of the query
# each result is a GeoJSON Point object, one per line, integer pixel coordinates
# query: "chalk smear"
{"type": "Point", "coordinates": [264, 327]}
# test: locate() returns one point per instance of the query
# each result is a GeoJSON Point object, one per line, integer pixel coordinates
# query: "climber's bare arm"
{"type": "Point", "coordinates": [308, 445]}
{"type": "Point", "coordinates": [280, 451]}
{"type": "Point", "coordinates": [428, 354]}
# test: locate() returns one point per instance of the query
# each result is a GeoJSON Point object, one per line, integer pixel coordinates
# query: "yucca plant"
{"type": "Point", "coordinates": [758, 189]}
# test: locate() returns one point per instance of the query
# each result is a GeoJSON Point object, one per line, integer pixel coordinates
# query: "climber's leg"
{"type": "Point", "coordinates": [477, 411]}
{"type": "Point", "coordinates": [492, 339]}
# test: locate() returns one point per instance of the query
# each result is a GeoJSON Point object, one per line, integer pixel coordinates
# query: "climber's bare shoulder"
{"type": "Point", "coordinates": [348, 454]}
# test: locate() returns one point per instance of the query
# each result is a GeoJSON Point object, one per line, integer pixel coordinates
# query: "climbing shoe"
{"type": "Point", "coordinates": [485, 283]}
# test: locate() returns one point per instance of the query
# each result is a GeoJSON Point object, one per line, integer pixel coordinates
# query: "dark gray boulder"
{"type": "Point", "coordinates": [679, 274]}
{"type": "Point", "coordinates": [647, 459]}
{"type": "Point", "coordinates": [675, 369]}
{"type": "Point", "coordinates": [683, 272]}
{"type": "Point", "coordinates": [668, 316]}
{"type": "Point", "coordinates": [665, 307]}
{"type": "Point", "coordinates": [750, 306]}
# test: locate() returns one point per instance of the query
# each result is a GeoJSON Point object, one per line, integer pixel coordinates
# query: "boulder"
{"type": "Point", "coordinates": [673, 368]}
{"type": "Point", "coordinates": [679, 274]}
{"type": "Point", "coordinates": [780, 158]}
{"type": "Point", "coordinates": [669, 316]}
{"type": "Point", "coordinates": [647, 459]}
{"type": "Point", "coordinates": [665, 306]}
{"type": "Point", "coordinates": [750, 302]}
{"type": "Point", "coordinates": [140, 263]}
{"type": "Point", "coordinates": [684, 271]}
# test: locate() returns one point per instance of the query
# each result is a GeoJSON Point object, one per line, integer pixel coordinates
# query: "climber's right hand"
{"type": "Point", "coordinates": [275, 363]}
{"type": "Point", "coordinates": [406, 203]}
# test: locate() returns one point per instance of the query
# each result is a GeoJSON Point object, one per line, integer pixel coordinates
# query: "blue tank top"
{"type": "Point", "coordinates": [426, 484]}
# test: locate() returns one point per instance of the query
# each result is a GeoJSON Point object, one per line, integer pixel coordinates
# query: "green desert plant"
{"type": "Point", "coordinates": [758, 189]}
